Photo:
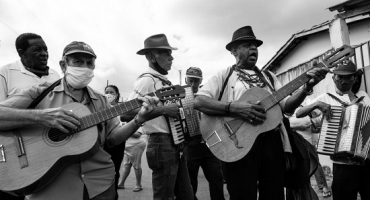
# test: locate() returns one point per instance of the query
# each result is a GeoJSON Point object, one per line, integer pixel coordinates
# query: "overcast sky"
{"type": "Point", "coordinates": [116, 30]}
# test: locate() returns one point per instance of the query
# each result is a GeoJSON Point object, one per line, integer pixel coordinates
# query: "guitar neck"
{"type": "Point", "coordinates": [104, 115]}
{"type": "Point", "coordinates": [163, 94]}
{"type": "Point", "coordinates": [286, 90]}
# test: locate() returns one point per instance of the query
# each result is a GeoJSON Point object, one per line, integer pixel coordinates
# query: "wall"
{"type": "Point", "coordinates": [307, 49]}
{"type": "Point", "coordinates": [359, 31]}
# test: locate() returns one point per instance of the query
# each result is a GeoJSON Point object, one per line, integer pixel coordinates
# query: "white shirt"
{"type": "Point", "coordinates": [234, 90]}
{"type": "Point", "coordinates": [345, 98]}
{"type": "Point", "coordinates": [144, 85]}
{"type": "Point", "coordinates": [14, 77]}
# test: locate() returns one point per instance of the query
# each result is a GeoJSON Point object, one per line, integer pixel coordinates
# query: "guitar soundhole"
{"type": "Point", "coordinates": [56, 135]}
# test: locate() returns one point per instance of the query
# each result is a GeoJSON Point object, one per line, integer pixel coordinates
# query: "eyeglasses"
{"type": "Point", "coordinates": [344, 77]}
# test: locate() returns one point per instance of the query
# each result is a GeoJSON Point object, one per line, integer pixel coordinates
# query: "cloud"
{"type": "Point", "coordinates": [116, 30]}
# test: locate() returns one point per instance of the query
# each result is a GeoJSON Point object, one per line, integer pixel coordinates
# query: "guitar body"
{"type": "Point", "coordinates": [230, 149]}
{"type": "Point", "coordinates": [46, 154]}
{"type": "Point", "coordinates": [231, 139]}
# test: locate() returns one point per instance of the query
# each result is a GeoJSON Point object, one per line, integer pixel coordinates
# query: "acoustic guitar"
{"type": "Point", "coordinates": [30, 157]}
{"type": "Point", "coordinates": [230, 139]}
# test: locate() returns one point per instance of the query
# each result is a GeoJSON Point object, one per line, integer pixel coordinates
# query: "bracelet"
{"type": "Point", "coordinates": [227, 107]}
{"type": "Point", "coordinates": [138, 123]}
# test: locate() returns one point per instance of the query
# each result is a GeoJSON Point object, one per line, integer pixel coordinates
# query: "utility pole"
{"type": "Point", "coordinates": [180, 76]}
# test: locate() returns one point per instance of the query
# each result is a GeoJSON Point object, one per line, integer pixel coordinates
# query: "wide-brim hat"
{"type": "Point", "coordinates": [243, 34]}
{"type": "Point", "coordinates": [158, 41]}
{"type": "Point", "coordinates": [347, 67]}
{"type": "Point", "coordinates": [78, 47]}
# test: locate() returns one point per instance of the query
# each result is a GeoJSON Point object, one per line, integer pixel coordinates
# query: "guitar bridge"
{"type": "Point", "coordinates": [217, 138]}
{"type": "Point", "coordinates": [2, 154]}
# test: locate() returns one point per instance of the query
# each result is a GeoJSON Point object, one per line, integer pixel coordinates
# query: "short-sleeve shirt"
{"type": "Point", "coordinates": [345, 98]}
{"type": "Point", "coordinates": [147, 84]}
{"type": "Point", "coordinates": [303, 122]}
{"type": "Point", "coordinates": [14, 77]}
{"type": "Point", "coordinates": [235, 89]}
{"type": "Point", "coordinates": [97, 172]}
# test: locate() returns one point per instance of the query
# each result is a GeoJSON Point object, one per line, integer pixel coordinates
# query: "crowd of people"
{"type": "Point", "coordinates": [123, 138]}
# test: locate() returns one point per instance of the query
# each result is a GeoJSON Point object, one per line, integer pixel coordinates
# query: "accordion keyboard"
{"type": "Point", "coordinates": [186, 126]}
{"type": "Point", "coordinates": [329, 132]}
{"type": "Point", "coordinates": [178, 126]}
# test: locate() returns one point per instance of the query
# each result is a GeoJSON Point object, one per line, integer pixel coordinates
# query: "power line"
{"type": "Point", "coordinates": [9, 26]}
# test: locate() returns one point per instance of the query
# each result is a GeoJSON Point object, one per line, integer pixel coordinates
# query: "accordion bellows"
{"type": "Point", "coordinates": [347, 134]}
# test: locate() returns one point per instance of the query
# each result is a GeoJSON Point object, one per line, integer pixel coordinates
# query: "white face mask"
{"type": "Point", "coordinates": [79, 77]}
{"type": "Point", "coordinates": [110, 97]}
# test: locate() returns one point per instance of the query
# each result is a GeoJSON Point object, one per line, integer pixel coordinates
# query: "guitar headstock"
{"type": "Point", "coordinates": [171, 92]}
{"type": "Point", "coordinates": [339, 55]}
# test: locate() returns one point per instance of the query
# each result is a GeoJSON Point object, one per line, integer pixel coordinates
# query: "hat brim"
{"type": "Point", "coordinates": [145, 50]}
{"type": "Point", "coordinates": [79, 51]}
{"type": "Point", "coordinates": [192, 76]}
{"type": "Point", "coordinates": [358, 72]}
{"type": "Point", "coordinates": [228, 46]}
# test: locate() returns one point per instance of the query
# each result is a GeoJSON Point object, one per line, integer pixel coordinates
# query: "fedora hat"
{"type": "Point", "coordinates": [158, 41]}
{"type": "Point", "coordinates": [243, 34]}
{"type": "Point", "coordinates": [347, 67]}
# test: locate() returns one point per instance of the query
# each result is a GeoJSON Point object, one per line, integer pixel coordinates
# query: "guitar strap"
{"type": "Point", "coordinates": [43, 94]}
{"type": "Point", "coordinates": [344, 104]}
{"type": "Point", "coordinates": [225, 83]}
{"type": "Point", "coordinates": [164, 81]}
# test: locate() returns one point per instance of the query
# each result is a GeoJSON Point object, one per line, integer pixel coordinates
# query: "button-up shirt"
{"type": "Point", "coordinates": [144, 85]}
{"type": "Point", "coordinates": [97, 172]}
{"type": "Point", "coordinates": [14, 77]}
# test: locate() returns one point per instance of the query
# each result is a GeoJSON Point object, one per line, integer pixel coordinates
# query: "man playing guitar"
{"type": "Point", "coordinates": [90, 178]}
{"type": "Point", "coordinates": [263, 167]}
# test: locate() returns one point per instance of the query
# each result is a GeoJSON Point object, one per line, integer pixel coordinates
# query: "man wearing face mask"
{"type": "Point", "coordinates": [162, 155]}
{"type": "Point", "coordinates": [90, 178]}
{"type": "Point", "coordinates": [349, 177]}
{"type": "Point", "coordinates": [198, 154]}
{"type": "Point", "coordinates": [30, 70]}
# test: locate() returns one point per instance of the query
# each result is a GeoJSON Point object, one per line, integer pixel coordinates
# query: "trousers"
{"type": "Point", "coordinates": [198, 155]}
{"type": "Point", "coordinates": [167, 169]}
{"type": "Point", "coordinates": [348, 180]}
{"type": "Point", "coordinates": [261, 169]}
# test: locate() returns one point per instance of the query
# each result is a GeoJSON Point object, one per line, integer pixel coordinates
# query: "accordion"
{"type": "Point", "coordinates": [347, 133]}
{"type": "Point", "coordinates": [185, 127]}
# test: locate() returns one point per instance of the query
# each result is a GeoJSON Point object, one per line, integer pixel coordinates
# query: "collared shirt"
{"type": "Point", "coordinates": [144, 85]}
{"type": "Point", "coordinates": [96, 173]}
{"type": "Point", "coordinates": [345, 98]}
{"type": "Point", "coordinates": [234, 90]}
{"type": "Point", "coordinates": [14, 77]}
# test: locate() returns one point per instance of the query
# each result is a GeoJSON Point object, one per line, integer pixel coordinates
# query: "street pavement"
{"type": "Point", "coordinates": [202, 194]}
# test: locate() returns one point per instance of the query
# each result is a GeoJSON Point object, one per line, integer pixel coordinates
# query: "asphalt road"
{"type": "Point", "coordinates": [202, 194]}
